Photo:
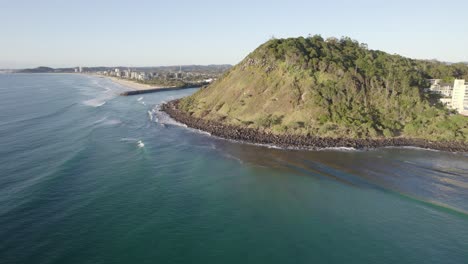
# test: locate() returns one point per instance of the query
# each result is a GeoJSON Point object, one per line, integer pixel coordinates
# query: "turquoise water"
{"type": "Point", "coordinates": [78, 186]}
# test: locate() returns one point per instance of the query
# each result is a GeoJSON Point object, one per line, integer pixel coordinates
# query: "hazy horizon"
{"type": "Point", "coordinates": [152, 34]}
{"type": "Point", "coordinates": [116, 66]}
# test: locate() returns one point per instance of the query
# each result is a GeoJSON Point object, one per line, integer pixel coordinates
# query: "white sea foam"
{"type": "Point", "coordinates": [412, 147]}
{"type": "Point", "coordinates": [96, 102]}
{"type": "Point", "coordinates": [163, 118]}
{"type": "Point", "coordinates": [100, 89]}
{"type": "Point", "coordinates": [112, 122]}
{"type": "Point", "coordinates": [99, 120]}
{"type": "Point", "coordinates": [138, 142]}
{"type": "Point", "coordinates": [128, 139]}
{"type": "Point", "coordinates": [139, 99]}
{"type": "Point", "coordinates": [198, 131]}
{"type": "Point", "coordinates": [340, 149]}
{"type": "Point", "coordinates": [107, 121]}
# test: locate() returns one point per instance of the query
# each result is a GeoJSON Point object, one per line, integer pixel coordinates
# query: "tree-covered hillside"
{"type": "Point", "coordinates": [331, 88]}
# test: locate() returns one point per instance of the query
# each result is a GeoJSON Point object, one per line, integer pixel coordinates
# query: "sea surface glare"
{"type": "Point", "coordinates": [87, 176]}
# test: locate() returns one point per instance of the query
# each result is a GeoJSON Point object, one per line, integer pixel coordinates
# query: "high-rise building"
{"type": "Point", "coordinates": [460, 96]}
{"type": "Point", "coordinates": [127, 73]}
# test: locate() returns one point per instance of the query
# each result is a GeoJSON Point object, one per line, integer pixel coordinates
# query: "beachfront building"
{"type": "Point", "coordinates": [454, 96]}
{"type": "Point", "coordinates": [438, 86]}
{"type": "Point", "coordinates": [118, 72]}
{"type": "Point", "coordinates": [445, 90]}
{"type": "Point", "coordinates": [143, 76]}
{"type": "Point", "coordinates": [460, 96]}
{"type": "Point", "coordinates": [127, 73]}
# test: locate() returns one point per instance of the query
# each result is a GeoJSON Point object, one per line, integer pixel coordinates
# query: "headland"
{"type": "Point", "coordinates": [308, 142]}
{"type": "Point", "coordinates": [316, 92]}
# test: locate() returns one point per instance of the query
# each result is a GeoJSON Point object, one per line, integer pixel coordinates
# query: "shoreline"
{"type": "Point", "coordinates": [135, 88]}
{"type": "Point", "coordinates": [255, 136]}
{"type": "Point", "coordinates": [131, 84]}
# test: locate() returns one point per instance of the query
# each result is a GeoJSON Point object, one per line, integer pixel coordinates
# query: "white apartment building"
{"type": "Point", "coordinates": [143, 76]}
{"type": "Point", "coordinates": [460, 96]}
{"type": "Point", "coordinates": [444, 89]}
{"type": "Point", "coordinates": [127, 73]}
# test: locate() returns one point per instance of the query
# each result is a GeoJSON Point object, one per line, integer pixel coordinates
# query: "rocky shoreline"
{"type": "Point", "coordinates": [256, 136]}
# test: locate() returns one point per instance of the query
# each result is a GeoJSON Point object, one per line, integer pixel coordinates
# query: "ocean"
{"type": "Point", "coordinates": [87, 176]}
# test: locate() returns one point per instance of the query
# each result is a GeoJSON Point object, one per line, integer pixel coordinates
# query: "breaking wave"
{"type": "Point", "coordinates": [96, 102]}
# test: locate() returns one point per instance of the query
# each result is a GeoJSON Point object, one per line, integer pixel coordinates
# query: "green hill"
{"type": "Point", "coordinates": [331, 88]}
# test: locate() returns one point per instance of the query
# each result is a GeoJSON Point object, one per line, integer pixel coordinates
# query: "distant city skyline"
{"type": "Point", "coordinates": [153, 33]}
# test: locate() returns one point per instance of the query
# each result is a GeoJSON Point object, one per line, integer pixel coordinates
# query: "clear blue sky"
{"type": "Point", "coordinates": [151, 33]}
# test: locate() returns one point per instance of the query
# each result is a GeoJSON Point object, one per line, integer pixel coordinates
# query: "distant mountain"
{"type": "Point", "coordinates": [41, 69]}
{"type": "Point", "coordinates": [208, 69]}
{"type": "Point", "coordinates": [334, 88]}
{"type": "Point", "coordinates": [214, 68]}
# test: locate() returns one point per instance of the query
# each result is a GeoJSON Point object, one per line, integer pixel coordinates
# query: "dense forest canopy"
{"type": "Point", "coordinates": [334, 88]}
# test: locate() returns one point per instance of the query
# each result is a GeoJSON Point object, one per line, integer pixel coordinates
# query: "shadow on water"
{"type": "Point", "coordinates": [437, 179]}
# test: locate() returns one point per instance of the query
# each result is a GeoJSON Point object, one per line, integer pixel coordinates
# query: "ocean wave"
{"type": "Point", "coordinates": [112, 122]}
{"type": "Point", "coordinates": [96, 102]}
{"type": "Point", "coordinates": [99, 120]}
{"type": "Point", "coordinates": [162, 118]}
{"type": "Point", "coordinates": [35, 118]}
{"type": "Point", "coordinates": [106, 121]}
{"type": "Point", "coordinates": [346, 149]}
{"type": "Point", "coordinates": [128, 139]}
{"type": "Point", "coordinates": [138, 142]}
{"type": "Point", "coordinates": [150, 114]}
{"type": "Point", "coordinates": [411, 147]}
{"type": "Point", "coordinates": [102, 89]}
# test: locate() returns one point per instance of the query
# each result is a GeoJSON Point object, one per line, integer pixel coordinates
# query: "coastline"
{"type": "Point", "coordinates": [131, 84]}
{"type": "Point", "coordinates": [136, 88]}
{"type": "Point", "coordinates": [250, 135]}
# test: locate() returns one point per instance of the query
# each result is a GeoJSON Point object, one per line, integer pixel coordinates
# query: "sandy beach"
{"type": "Point", "coordinates": [135, 88]}
{"type": "Point", "coordinates": [131, 84]}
